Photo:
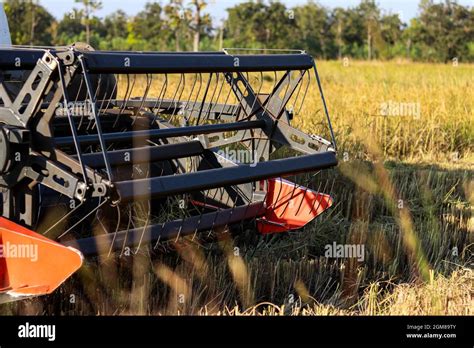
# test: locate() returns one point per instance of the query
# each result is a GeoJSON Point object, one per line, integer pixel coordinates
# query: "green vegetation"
{"type": "Point", "coordinates": [441, 32]}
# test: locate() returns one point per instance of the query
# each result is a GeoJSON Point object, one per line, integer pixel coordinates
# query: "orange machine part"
{"type": "Point", "coordinates": [31, 264]}
{"type": "Point", "coordinates": [290, 206]}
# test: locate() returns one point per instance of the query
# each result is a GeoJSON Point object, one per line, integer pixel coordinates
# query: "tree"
{"type": "Point", "coordinates": [370, 14]}
{"type": "Point", "coordinates": [347, 27]}
{"type": "Point", "coordinates": [391, 31]}
{"type": "Point", "coordinates": [90, 6]}
{"type": "Point", "coordinates": [72, 28]}
{"type": "Point", "coordinates": [337, 22]}
{"type": "Point", "coordinates": [151, 27]}
{"type": "Point", "coordinates": [243, 23]}
{"type": "Point", "coordinates": [69, 28]}
{"type": "Point", "coordinates": [391, 28]}
{"type": "Point", "coordinates": [442, 31]}
{"type": "Point", "coordinates": [196, 8]}
{"type": "Point", "coordinates": [201, 23]}
{"type": "Point", "coordinates": [312, 30]}
{"type": "Point", "coordinates": [30, 23]}
{"type": "Point", "coordinates": [116, 25]}
{"type": "Point", "coordinates": [177, 21]}
{"type": "Point", "coordinates": [256, 24]}
{"type": "Point", "coordinates": [280, 24]}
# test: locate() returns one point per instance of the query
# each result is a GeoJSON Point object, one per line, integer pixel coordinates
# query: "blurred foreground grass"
{"type": "Point", "coordinates": [404, 189]}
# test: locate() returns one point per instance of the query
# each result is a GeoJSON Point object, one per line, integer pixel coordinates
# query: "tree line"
{"type": "Point", "coordinates": [441, 31]}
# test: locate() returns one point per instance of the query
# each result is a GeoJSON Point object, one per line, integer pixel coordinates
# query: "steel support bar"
{"type": "Point", "coordinates": [161, 133]}
{"type": "Point", "coordinates": [144, 154]}
{"type": "Point", "coordinates": [136, 63]}
{"type": "Point", "coordinates": [13, 58]}
{"type": "Point", "coordinates": [111, 242]}
{"type": "Point", "coordinates": [95, 114]}
{"type": "Point", "coordinates": [19, 59]}
{"type": "Point", "coordinates": [207, 179]}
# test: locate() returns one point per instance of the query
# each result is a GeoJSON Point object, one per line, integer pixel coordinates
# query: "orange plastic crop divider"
{"type": "Point", "coordinates": [290, 206]}
{"type": "Point", "coordinates": [31, 264]}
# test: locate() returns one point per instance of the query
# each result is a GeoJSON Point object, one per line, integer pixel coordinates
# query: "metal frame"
{"type": "Point", "coordinates": [32, 119]}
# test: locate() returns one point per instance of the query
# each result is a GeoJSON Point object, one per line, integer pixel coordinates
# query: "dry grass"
{"type": "Point", "coordinates": [441, 296]}
{"type": "Point", "coordinates": [410, 268]}
{"type": "Point", "coordinates": [443, 129]}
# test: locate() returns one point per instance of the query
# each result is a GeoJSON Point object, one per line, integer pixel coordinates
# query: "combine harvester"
{"type": "Point", "coordinates": [103, 151]}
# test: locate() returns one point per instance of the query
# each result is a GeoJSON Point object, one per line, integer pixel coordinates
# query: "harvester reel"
{"type": "Point", "coordinates": [105, 150]}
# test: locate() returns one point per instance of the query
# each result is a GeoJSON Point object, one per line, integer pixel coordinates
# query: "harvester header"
{"type": "Point", "coordinates": [103, 150]}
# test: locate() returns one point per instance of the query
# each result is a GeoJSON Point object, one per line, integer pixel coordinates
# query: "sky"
{"type": "Point", "coordinates": [406, 9]}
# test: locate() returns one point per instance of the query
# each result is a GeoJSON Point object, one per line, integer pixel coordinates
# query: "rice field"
{"type": "Point", "coordinates": [415, 111]}
{"type": "Point", "coordinates": [404, 190]}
